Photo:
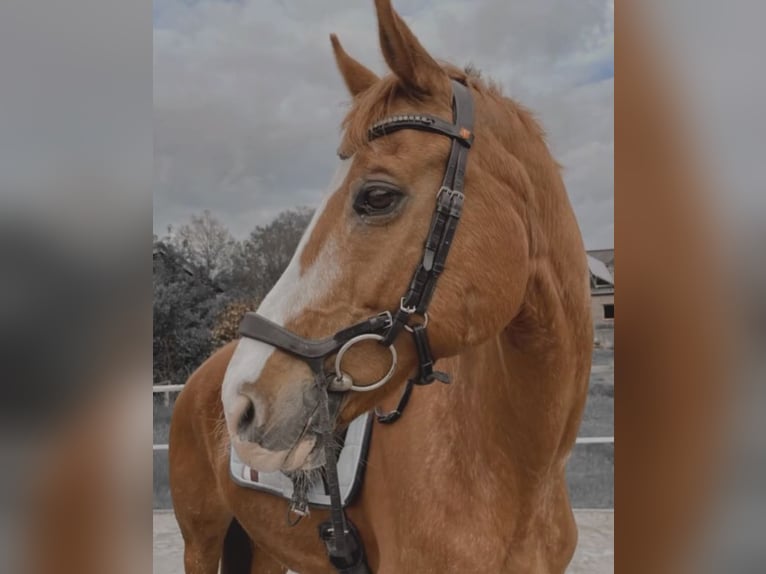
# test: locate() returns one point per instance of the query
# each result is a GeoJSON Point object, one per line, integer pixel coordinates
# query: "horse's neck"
{"type": "Point", "coordinates": [515, 406]}
{"type": "Point", "coordinates": [489, 450]}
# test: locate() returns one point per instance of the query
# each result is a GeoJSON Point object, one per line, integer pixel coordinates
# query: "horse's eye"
{"type": "Point", "coordinates": [377, 198]}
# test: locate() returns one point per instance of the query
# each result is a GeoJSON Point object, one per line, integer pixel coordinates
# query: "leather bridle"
{"type": "Point", "coordinates": [340, 537]}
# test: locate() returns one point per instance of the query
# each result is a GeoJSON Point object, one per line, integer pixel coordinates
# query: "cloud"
{"type": "Point", "coordinates": [248, 101]}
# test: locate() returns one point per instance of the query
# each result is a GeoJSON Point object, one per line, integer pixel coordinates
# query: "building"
{"type": "Point", "coordinates": [606, 256]}
{"type": "Point", "coordinates": [601, 266]}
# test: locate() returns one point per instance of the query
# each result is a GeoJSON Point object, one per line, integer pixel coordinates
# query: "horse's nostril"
{"type": "Point", "coordinates": [247, 418]}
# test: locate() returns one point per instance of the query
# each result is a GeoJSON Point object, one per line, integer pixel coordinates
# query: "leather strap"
{"type": "Point", "coordinates": [386, 418]}
{"type": "Point", "coordinates": [423, 122]}
{"type": "Point", "coordinates": [255, 326]}
{"type": "Point", "coordinates": [449, 201]}
{"type": "Point", "coordinates": [342, 542]}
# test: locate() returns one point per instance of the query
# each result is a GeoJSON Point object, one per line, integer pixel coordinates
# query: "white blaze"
{"type": "Point", "coordinates": [288, 298]}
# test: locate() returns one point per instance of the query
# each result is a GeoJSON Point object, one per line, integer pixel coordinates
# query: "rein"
{"type": "Point", "coordinates": [341, 538]}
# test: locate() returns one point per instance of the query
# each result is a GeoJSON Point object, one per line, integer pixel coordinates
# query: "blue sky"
{"type": "Point", "coordinates": [603, 71]}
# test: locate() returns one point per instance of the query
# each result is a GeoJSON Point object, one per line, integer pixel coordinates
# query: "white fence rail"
{"type": "Point", "coordinates": [167, 388]}
{"type": "Point", "coordinates": [595, 440]}
{"type": "Point", "coordinates": [178, 388]}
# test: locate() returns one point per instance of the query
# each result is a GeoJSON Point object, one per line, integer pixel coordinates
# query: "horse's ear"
{"type": "Point", "coordinates": [416, 69]}
{"type": "Point", "coordinates": [357, 77]}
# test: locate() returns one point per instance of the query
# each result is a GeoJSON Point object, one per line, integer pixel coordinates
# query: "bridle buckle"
{"type": "Point", "coordinates": [405, 309]}
{"type": "Point", "coordinates": [412, 311]}
{"type": "Point", "coordinates": [388, 317]}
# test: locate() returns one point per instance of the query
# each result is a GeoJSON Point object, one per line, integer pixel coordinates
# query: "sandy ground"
{"type": "Point", "coordinates": [594, 555]}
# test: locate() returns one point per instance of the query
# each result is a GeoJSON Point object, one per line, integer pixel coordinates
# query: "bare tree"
{"type": "Point", "coordinates": [206, 243]}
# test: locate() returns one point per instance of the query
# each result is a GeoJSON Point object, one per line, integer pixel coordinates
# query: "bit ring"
{"type": "Point", "coordinates": [339, 374]}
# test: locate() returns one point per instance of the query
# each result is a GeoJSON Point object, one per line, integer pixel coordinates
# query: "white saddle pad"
{"type": "Point", "coordinates": [350, 469]}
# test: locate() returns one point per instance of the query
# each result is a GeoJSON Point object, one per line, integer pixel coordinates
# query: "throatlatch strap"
{"type": "Point", "coordinates": [386, 418]}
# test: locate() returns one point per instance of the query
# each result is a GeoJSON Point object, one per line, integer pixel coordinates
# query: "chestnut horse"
{"type": "Point", "coordinates": [472, 477]}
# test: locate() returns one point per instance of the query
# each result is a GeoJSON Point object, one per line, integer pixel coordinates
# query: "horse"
{"type": "Point", "coordinates": [471, 478]}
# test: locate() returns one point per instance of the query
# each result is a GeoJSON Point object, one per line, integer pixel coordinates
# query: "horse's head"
{"type": "Point", "coordinates": [358, 255]}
